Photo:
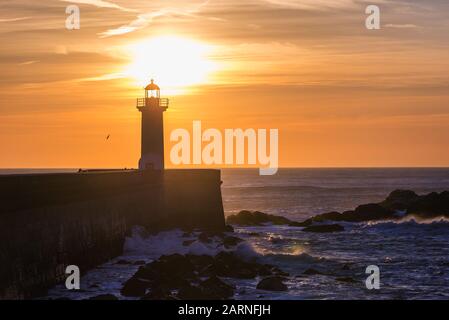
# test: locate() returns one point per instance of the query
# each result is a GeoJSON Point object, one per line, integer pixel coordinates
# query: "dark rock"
{"type": "Point", "coordinates": [191, 292]}
{"type": "Point", "coordinates": [161, 279]}
{"type": "Point", "coordinates": [104, 297]}
{"type": "Point", "coordinates": [135, 287]}
{"type": "Point", "coordinates": [231, 241]}
{"type": "Point", "coordinates": [272, 284]}
{"type": "Point", "coordinates": [228, 228]}
{"type": "Point", "coordinates": [399, 200]}
{"type": "Point", "coordinates": [229, 265]}
{"type": "Point", "coordinates": [330, 216]}
{"type": "Point", "coordinates": [256, 218]}
{"type": "Point", "coordinates": [313, 272]}
{"type": "Point", "coordinates": [368, 212]}
{"type": "Point", "coordinates": [426, 206]}
{"type": "Point", "coordinates": [278, 272]}
{"type": "Point", "coordinates": [324, 228]}
{"type": "Point", "coordinates": [123, 262]}
{"type": "Point", "coordinates": [159, 294]}
{"type": "Point", "coordinates": [204, 238]}
{"type": "Point", "coordinates": [217, 289]}
{"type": "Point", "coordinates": [431, 205]}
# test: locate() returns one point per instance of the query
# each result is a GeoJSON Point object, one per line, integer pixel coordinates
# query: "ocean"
{"type": "Point", "coordinates": [413, 256]}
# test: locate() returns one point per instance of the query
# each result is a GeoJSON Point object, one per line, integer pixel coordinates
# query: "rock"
{"type": "Point", "coordinates": [135, 287]}
{"type": "Point", "coordinates": [324, 228]}
{"type": "Point", "coordinates": [123, 262]}
{"type": "Point", "coordinates": [228, 228]}
{"type": "Point", "coordinates": [405, 202]}
{"type": "Point", "coordinates": [272, 284]}
{"type": "Point", "coordinates": [313, 272]}
{"type": "Point", "coordinates": [104, 297]}
{"type": "Point", "coordinates": [204, 238]}
{"type": "Point", "coordinates": [229, 265]}
{"type": "Point", "coordinates": [256, 218]}
{"type": "Point", "coordinates": [183, 277]}
{"type": "Point", "coordinates": [399, 200]}
{"type": "Point", "coordinates": [200, 261]}
{"type": "Point", "coordinates": [216, 289]}
{"type": "Point", "coordinates": [139, 263]}
{"type": "Point", "coordinates": [231, 241]}
{"type": "Point", "coordinates": [159, 294]}
{"type": "Point", "coordinates": [191, 292]}
{"type": "Point", "coordinates": [368, 212]}
{"type": "Point", "coordinates": [430, 206]}
{"type": "Point", "coordinates": [330, 216]}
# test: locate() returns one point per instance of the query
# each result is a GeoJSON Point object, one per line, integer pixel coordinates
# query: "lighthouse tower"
{"type": "Point", "coordinates": [152, 108]}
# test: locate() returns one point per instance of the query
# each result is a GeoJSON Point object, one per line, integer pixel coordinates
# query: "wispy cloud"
{"type": "Point", "coordinates": [14, 19]}
{"type": "Point", "coordinates": [401, 26]}
{"type": "Point", "coordinates": [105, 77]}
{"type": "Point", "coordinates": [315, 4]}
{"type": "Point", "coordinates": [144, 19]}
{"type": "Point", "coordinates": [26, 63]}
{"type": "Point", "coordinates": [140, 22]}
{"type": "Point", "coordinates": [99, 4]}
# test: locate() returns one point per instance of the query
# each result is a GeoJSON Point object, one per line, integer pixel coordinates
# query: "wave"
{"type": "Point", "coordinates": [413, 220]}
{"type": "Point", "coordinates": [140, 243]}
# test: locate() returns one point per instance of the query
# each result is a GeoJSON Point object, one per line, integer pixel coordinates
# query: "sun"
{"type": "Point", "coordinates": [176, 63]}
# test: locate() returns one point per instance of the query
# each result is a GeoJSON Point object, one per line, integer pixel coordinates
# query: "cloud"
{"type": "Point", "coordinates": [144, 19]}
{"type": "Point", "coordinates": [14, 19]}
{"type": "Point", "coordinates": [313, 4]}
{"type": "Point", "coordinates": [26, 63]}
{"type": "Point", "coordinates": [401, 26]}
{"type": "Point", "coordinates": [105, 77]}
{"type": "Point", "coordinates": [99, 4]}
{"type": "Point", "coordinates": [140, 22]}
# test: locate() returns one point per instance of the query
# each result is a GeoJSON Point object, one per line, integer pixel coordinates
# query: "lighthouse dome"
{"type": "Point", "coordinates": [152, 86]}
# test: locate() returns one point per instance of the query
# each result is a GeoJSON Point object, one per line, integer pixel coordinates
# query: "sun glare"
{"type": "Point", "coordinates": [176, 63]}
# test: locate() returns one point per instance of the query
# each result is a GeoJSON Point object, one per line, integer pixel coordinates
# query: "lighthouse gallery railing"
{"type": "Point", "coordinates": [151, 102]}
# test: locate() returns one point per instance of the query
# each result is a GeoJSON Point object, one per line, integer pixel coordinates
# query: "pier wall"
{"type": "Point", "coordinates": [49, 221]}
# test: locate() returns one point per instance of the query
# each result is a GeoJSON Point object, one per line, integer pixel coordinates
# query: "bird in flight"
{"type": "Point", "coordinates": [107, 138]}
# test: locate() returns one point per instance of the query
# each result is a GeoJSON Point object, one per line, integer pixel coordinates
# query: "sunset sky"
{"type": "Point", "coordinates": [340, 94]}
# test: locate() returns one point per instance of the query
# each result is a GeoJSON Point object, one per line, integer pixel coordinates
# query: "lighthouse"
{"type": "Point", "coordinates": [152, 108]}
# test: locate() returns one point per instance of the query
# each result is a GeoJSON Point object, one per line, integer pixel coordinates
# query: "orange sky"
{"type": "Point", "coordinates": [340, 95]}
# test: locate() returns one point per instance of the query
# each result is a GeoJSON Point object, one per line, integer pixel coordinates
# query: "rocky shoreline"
{"type": "Point", "coordinates": [398, 205]}
{"type": "Point", "coordinates": [199, 277]}
{"type": "Point", "coordinates": [213, 276]}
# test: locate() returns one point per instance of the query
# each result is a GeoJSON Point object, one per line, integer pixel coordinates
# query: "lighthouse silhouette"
{"type": "Point", "coordinates": [152, 108]}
